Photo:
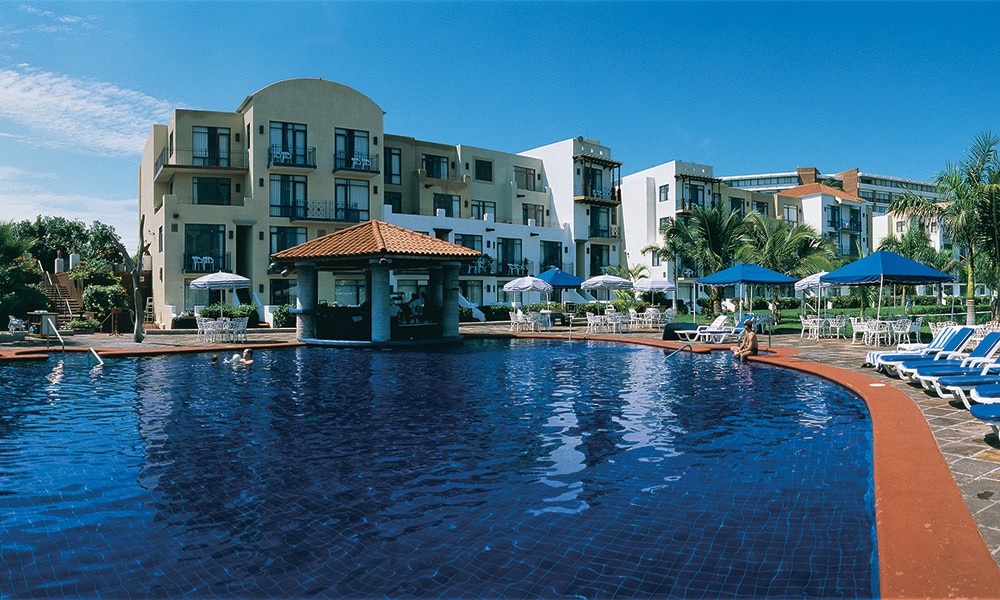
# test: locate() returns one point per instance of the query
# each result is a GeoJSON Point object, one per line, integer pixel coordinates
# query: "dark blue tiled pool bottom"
{"type": "Point", "coordinates": [494, 469]}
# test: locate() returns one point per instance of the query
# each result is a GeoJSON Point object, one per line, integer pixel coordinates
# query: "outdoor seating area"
{"type": "Point", "coordinates": [212, 331]}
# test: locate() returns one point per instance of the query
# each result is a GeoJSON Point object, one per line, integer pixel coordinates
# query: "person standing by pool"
{"type": "Point", "coordinates": [748, 345]}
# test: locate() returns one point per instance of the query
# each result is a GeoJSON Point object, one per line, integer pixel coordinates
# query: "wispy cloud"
{"type": "Point", "coordinates": [81, 115]}
{"type": "Point", "coordinates": [62, 22]}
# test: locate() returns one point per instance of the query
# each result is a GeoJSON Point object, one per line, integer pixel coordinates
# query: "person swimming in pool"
{"type": "Point", "coordinates": [241, 359]}
{"type": "Point", "coordinates": [748, 345]}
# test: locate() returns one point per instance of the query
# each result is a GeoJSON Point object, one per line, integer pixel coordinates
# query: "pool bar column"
{"type": "Point", "coordinates": [307, 299]}
{"type": "Point", "coordinates": [449, 300]}
{"type": "Point", "coordinates": [380, 300]}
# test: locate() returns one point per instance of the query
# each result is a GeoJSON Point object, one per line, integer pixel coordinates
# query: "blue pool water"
{"type": "Point", "coordinates": [494, 469]}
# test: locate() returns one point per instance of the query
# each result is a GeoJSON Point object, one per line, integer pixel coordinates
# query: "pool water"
{"type": "Point", "coordinates": [498, 468]}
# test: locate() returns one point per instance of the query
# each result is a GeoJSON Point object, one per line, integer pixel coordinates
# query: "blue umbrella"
{"type": "Point", "coordinates": [744, 273]}
{"type": "Point", "coordinates": [884, 267]}
{"type": "Point", "coordinates": [558, 278]}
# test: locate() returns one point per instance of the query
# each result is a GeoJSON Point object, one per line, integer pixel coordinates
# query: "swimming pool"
{"type": "Point", "coordinates": [494, 468]}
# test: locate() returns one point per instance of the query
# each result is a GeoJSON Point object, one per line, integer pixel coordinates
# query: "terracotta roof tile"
{"type": "Point", "coordinates": [374, 238]}
{"type": "Point", "coordinates": [810, 189]}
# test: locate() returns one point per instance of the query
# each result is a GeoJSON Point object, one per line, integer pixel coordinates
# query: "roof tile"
{"type": "Point", "coordinates": [374, 238]}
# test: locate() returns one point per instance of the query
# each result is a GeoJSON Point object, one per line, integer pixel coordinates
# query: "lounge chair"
{"type": "Point", "coordinates": [691, 335]}
{"type": "Point", "coordinates": [960, 386]}
{"type": "Point", "coordinates": [726, 334]}
{"type": "Point", "coordinates": [951, 363]}
{"type": "Point", "coordinates": [988, 413]}
{"type": "Point", "coordinates": [958, 339]}
{"type": "Point", "coordinates": [874, 358]}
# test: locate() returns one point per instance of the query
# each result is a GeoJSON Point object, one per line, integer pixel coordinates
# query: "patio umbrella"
{"type": "Point", "coordinates": [606, 282]}
{"type": "Point", "coordinates": [811, 282]}
{"type": "Point", "coordinates": [527, 284]}
{"type": "Point", "coordinates": [561, 280]}
{"type": "Point", "coordinates": [744, 273]}
{"type": "Point", "coordinates": [655, 285]}
{"type": "Point", "coordinates": [221, 281]}
{"type": "Point", "coordinates": [884, 267]}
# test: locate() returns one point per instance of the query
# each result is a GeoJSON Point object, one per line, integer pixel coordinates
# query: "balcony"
{"type": "Point", "coordinates": [202, 161]}
{"type": "Point", "coordinates": [175, 200]}
{"type": "Point", "coordinates": [292, 157]}
{"type": "Point", "coordinates": [851, 225]}
{"type": "Point", "coordinates": [205, 263]}
{"type": "Point", "coordinates": [322, 210]}
{"type": "Point", "coordinates": [520, 268]}
{"type": "Point", "coordinates": [358, 162]}
{"type": "Point", "coordinates": [609, 232]}
{"type": "Point", "coordinates": [609, 196]}
{"type": "Point", "coordinates": [483, 266]}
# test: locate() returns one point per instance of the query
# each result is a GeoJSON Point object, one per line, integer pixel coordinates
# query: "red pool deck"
{"type": "Point", "coordinates": [928, 544]}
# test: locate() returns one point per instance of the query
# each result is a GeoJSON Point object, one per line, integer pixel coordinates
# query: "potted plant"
{"type": "Point", "coordinates": [82, 326]}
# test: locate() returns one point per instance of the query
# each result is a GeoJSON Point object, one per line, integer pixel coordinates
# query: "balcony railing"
{"type": "Point", "coordinates": [207, 159]}
{"type": "Point", "coordinates": [611, 231]}
{"type": "Point", "coordinates": [210, 262]}
{"type": "Point", "coordinates": [519, 268]}
{"type": "Point", "coordinates": [279, 156]}
{"type": "Point", "coordinates": [323, 210]}
{"type": "Point", "coordinates": [231, 201]}
{"type": "Point", "coordinates": [358, 161]}
{"type": "Point", "coordinates": [610, 194]}
{"type": "Point", "coordinates": [484, 265]}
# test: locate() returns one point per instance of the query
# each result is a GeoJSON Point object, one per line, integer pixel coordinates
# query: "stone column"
{"type": "Point", "coordinates": [307, 298]}
{"type": "Point", "coordinates": [379, 285]}
{"type": "Point", "coordinates": [449, 302]}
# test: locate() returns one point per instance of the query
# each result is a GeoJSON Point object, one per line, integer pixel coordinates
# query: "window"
{"type": "Point", "coordinates": [211, 190]}
{"type": "Point", "coordinates": [867, 195]}
{"type": "Point", "coordinates": [524, 178]}
{"type": "Point", "coordinates": [663, 223]}
{"type": "Point", "coordinates": [600, 222]}
{"type": "Point", "coordinates": [472, 289]}
{"type": "Point", "coordinates": [694, 195]}
{"type": "Point", "coordinates": [449, 203]}
{"type": "Point", "coordinates": [882, 197]}
{"type": "Point", "coordinates": [283, 238]}
{"type": "Point", "coordinates": [508, 252]}
{"type": "Point", "coordinates": [352, 200]}
{"type": "Point", "coordinates": [395, 200]}
{"type": "Point", "coordinates": [900, 226]}
{"type": "Point", "coordinates": [593, 182]}
{"type": "Point", "coordinates": [716, 199]}
{"type": "Point", "coordinates": [934, 226]}
{"type": "Point", "coordinates": [468, 240]}
{"type": "Point", "coordinates": [352, 150]}
{"type": "Point", "coordinates": [533, 211]}
{"type": "Point", "coordinates": [551, 255]}
{"type": "Point", "coordinates": [284, 291]}
{"type": "Point", "coordinates": [600, 257]}
{"type": "Point", "coordinates": [484, 170]}
{"type": "Point", "coordinates": [736, 205]}
{"type": "Point", "coordinates": [288, 140]}
{"type": "Point", "coordinates": [791, 213]}
{"type": "Point", "coordinates": [349, 292]}
{"type": "Point", "coordinates": [834, 221]}
{"type": "Point", "coordinates": [760, 207]}
{"type": "Point", "coordinates": [654, 260]}
{"type": "Point", "coordinates": [483, 207]}
{"type": "Point", "coordinates": [211, 146]}
{"type": "Point", "coordinates": [393, 166]}
{"type": "Point", "coordinates": [159, 240]}
{"type": "Point", "coordinates": [288, 196]}
{"type": "Point", "coordinates": [204, 241]}
{"type": "Point", "coordinates": [664, 192]}
{"type": "Point", "coordinates": [435, 166]}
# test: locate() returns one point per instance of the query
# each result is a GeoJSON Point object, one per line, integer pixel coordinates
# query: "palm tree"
{"type": "Point", "coordinates": [20, 276]}
{"type": "Point", "coordinates": [708, 238]}
{"type": "Point", "coordinates": [914, 244]}
{"type": "Point", "coordinates": [989, 221]}
{"type": "Point", "coordinates": [639, 271]}
{"type": "Point", "coordinates": [796, 250]}
{"type": "Point", "coordinates": [965, 211]}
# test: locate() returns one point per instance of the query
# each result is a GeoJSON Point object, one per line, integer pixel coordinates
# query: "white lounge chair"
{"type": "Point", "coordinates": [692, 335]}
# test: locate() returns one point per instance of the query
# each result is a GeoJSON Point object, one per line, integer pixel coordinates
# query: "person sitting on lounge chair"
{"type": "Point", "coordinates": [748, 345]}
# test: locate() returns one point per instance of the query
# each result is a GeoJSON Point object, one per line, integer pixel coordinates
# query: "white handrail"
{"type": "Point", "coordinates": [97, 356]}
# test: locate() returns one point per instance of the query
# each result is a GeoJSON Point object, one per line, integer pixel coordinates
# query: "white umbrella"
{"type": "Point", "coordinates": [810, 282]}
{"type": "Point", "coordinates": [220, 281]}
{"type": "Point", "coordinates": [527, 284]}
{"type": "Point", "coordinates": [606, 282]}
{"type": "Point", "coordinates": [655, 285]}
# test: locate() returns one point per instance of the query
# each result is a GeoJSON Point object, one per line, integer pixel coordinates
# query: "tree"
{"type": "Point", "coordinates": [965, 211]}
{"type": "Point", "coordinates": [639, 271]}
{"type": "Point", "coordinates": [795, 250]}
{"type": "Point", "coordinates": [19, 275]}
{"type": "Point", "coordinates": [913, 244]}
{"type": "Point", "coordinates": [708, 238]}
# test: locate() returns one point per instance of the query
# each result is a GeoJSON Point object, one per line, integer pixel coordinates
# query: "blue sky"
{"type": "Point", "coordinates": [894, 88]}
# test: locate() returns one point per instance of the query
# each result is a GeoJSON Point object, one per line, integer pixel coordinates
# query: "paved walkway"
{"type": "Point", "coordinates": [973, 458]}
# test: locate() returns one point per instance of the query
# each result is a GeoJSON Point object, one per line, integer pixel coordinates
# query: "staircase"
{"type": "Point", "coordinates": [66, 305]}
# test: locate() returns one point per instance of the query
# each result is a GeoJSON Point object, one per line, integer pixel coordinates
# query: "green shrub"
{"type": "Point", "coordinates": [497, 312]}
{"type": "Point", "coordinates": [83, 324]}
{"type": "Point", "coordinates": [101, 299]}
{"type": "Point", "coordinates": [221, 310]}
{"type": "Point", "coordinates": [465, 315]}
{"type": "Point", "coordinates": [282, 316]}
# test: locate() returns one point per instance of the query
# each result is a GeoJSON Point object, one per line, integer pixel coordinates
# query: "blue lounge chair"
{"type": "Point", "coordinates": [989, 413]}
{"type": "Point", "coordinates": [951, 363]}
{"type": "Point", "coordinates": [960, 386]}
{"type": "Point", "coordinates": [955, 342]}
{"type": "Point", "coordinates": [872, 359]}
